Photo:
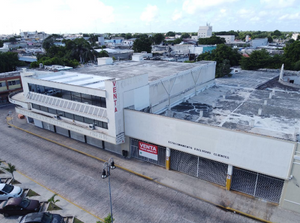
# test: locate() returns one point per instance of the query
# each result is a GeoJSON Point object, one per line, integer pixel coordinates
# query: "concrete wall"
{"type": "Point", "coordinates": [265, 155]}
{"type": "Point", "coordinates": [173, 89]}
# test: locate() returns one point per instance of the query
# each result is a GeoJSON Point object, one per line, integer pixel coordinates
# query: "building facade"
{"type": "Point", "coordinates": [9, 82]}
{"type": "Point", "coordinates": [205, 31]}
{"type": "Point", "coordinates": [176, 115]}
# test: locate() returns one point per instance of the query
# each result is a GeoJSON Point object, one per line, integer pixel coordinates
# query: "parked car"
{"type": "Point", "coordinates": [42, 217]}
{"type": "Point", "coordinates": [19, 206]}
{"type": "Point", "coordinates": [9, 191]}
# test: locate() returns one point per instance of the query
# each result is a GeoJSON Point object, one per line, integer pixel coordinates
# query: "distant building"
{"type": "Point", "coordinates": [228, 38]}
{"type": "Point", "coordinates": [205, 31]}
{"type": "Point", "coordinates": [259, 42]}
{"type": "Point", "coordinates": [295, 36]}
{"type": "Point", "coordinates": [9, 82]}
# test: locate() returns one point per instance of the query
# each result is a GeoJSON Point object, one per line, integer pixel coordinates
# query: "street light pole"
{"type": "Point", "coordinates": [110, 164]}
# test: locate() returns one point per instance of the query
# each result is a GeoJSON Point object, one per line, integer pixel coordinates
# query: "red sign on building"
{"type": "Point", "coordinates": [148, 150]}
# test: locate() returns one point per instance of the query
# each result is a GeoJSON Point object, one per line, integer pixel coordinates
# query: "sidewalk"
{"type": "Point", "coordinates": [68, 208]}
{"type": "Point", "coordinates": [192, 186]}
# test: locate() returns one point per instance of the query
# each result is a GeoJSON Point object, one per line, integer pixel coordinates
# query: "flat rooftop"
{"type": "Point", "coordinates": [93, 76]}
{"type": "Point", "coordinates": [125, 69]}
{"type": "Point", "coordinates": [234, 103]}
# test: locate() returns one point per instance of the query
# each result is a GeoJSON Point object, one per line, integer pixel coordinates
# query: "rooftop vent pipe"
{"type": "Point", "coordinates": [259, 111]}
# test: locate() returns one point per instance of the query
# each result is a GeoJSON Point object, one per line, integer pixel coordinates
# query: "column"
{"type": "Point", "coordinates": [168, 153]}
{"type": "Point", "coordinates": [229, 177]}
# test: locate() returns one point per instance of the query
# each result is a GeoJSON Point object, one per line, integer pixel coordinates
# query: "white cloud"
{"type": "Point", "coordinates": [191, 6]}
{"type": "Point", "coordinates": [150, 13]}
{"type": "Point", "coordinates": [59, 16]}
{"type": "Point", "coordinates": [223, 11]}
{"type": "Point", "coordinates": [177, 15]}
{"type": "Point", "coordinates": [277, 3]}
{"type": "Point", "coordinates": [295, 16]}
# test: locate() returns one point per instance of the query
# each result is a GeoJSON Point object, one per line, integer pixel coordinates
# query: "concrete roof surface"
{"type": "Point", "coordinates": [233, 103]}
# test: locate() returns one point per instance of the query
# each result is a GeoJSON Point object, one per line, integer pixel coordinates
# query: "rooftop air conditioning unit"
{"type": "Point", "coordinates": [91, 126]}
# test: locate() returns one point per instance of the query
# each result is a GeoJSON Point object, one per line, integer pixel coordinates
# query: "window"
{"type": "Point", "coordinates": [52, 111]}
{"type": "Point", "coordinates": [43, 108]}
{"type": "Point", "coordinates": [14, 82]}
{"type": "Point", "coordinates": [35, 106]}
{"type": "Point", "coordinates": [2, 84]}
{"type": "Point", "coordinates": [78, 118]}
{"type": "Point", "coordinates": [69, 95]}
{"type": "Point", "coordinates": [68, 115]}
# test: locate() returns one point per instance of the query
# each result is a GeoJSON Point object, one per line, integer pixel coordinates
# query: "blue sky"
{"type": "Point", "coordinates": [117, 16]}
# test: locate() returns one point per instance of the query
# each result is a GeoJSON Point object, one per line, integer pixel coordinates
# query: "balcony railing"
{"type": "Point", "coordinates": [67, 105]}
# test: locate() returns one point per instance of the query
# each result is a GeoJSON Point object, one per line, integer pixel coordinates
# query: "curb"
{"type": "Point", "coordinates": [140, 175]}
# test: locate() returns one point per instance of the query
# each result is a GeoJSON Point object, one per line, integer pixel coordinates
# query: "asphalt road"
{"type": "Point", "coordinates": [78, 178]}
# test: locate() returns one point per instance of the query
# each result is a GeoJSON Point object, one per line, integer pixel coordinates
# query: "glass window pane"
{"type": "Point", "coordinates": [78, 118]}
{"type": "Point", "coordinates": [68, 115]}
{"type": "Point", "coordinates": [88, 120]}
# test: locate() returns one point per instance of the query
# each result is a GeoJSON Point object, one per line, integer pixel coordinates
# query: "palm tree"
{"type": "Point", "coordinates": [11, 169]}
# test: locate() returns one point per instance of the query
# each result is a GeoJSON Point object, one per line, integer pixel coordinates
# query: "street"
{"type": "Point", "coordinates": [78, 178]}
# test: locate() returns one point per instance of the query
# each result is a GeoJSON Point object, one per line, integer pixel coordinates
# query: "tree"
{"type": "Point", "coordinates": [257, 59]}
{"type": "Point", "coordinates": [170, 33]}
{"type": "Point", "coordinates": [211, 40]}
{"type": "Point", "coordinates": [270, 39]}
{"type": "Point", "coordinates": [1, 43]}
{"type": "Point", "coordinates": [103, 53]}
{"type": "Point", "coordinates": [185, 35]}
{"type": "Point", "coordinates": [142, 44]}
{"type": "Point", "coordinates": [277, 33]}
{"type": "Point", "coordinates": [128, 36]}
{"type": "Point", "coordinates": [11, 169]}
{"type": "Point", "coordinates": [9, 61]}
{"type": "Point", "coordinates": [223, 68]}
{"type": "Point", "coordinates": [12, 40]}
{"type": "Point", "coordinates": [221, 53]}
{"type": "Point", "coordinates": [158, 38]}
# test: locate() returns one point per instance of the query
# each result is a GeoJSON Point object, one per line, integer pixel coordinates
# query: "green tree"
{"type": "Point", "coordinates": [170, 33]}
{"type": "Point", "coordinates": [142, 44]}
{"type": "Point", "coordinates": [270, 39]}
{"type": "Point", "coordinates": [1, 43]}
{"type": "Point", "coordinates": [103, 53]}
{"type": "Point", "coordinates": [158, 38]}
{"type": "Point", "coordinates": [128, 36]}
{"type": "Point", "coordinates": [185, 35]}
{"type": "Point", "coordinates": [223, 68]}
{"type": "Point", "coordinates": [221, 53]}
{"type": "Point", "coordinates": [11, 169]}
{"type": "Point", "coordinates": [9, 61]}
{"type": "Point", "coordinates": [277, 33]}
{"type": "Point", "coordinates": [177, 41]}
{"type": "Point", "coordinates": [257, 59]}
{"type": "Point", "coordinates": [211, 40]}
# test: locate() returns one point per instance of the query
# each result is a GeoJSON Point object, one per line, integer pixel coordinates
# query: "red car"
{"type": "Point", "coordinates": [19, 206]}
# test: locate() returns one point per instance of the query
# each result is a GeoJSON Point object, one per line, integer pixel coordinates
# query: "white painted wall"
{"type": "Point", "coordinates": [260, 154]}
{"type": "Point", "coordinates": [179, 86]}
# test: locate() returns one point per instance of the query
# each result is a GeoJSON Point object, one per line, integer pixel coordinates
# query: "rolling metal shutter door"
{"type": "Point", "coordinates": [94, 142]}
{"type": "Point", "coordinates": [77, 136]}
{"type": "Point", "coordinates": [161, 158]}
{"type": "Point", "coordinates": [202, 168]}
{"type": "Point", "coordinates": [48, 126]}
{"type": "Point", "coordinates": [257, 185]}
{"type": "Point", "coordinates": [62, 131]}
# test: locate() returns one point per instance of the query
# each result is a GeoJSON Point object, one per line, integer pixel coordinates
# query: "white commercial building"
{"type": "Point", "coordinates": [232, 131]}
{"type": "Point", "coordinates": [205, 31]}
{"type": "Point", "coordinates": [228, 38]}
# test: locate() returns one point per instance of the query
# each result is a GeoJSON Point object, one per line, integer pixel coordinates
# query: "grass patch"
{"type": "Point", "coordinates": [16, 182]}
{"type": "Point", "coordinates": [32, 193]}
{"type": "Point", "coordinates": [76, 220]}
{"type": "Point", "coordinates": [53, 207]}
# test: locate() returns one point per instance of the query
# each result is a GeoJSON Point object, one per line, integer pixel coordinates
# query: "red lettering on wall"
{"type": "Point", "coordinates": [114, 89]}
{"type": "Point", "coordinates": [116, 109]}
{"type": "Point", "coordinates": [115, 96]}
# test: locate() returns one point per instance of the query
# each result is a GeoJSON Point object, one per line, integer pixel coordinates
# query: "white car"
{"type": "Point", "coordinates": [8, 191]}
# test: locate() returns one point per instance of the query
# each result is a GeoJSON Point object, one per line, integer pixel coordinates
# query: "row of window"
{"type": "Point", "coordinates": [15, 82]}
{"type": "Point", "coordinates": [71, 116]}
{"type": "Point", "coordinates": [69, 95]}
